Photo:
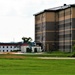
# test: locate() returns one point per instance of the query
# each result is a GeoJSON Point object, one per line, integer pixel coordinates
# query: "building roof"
{"type": "Point", "coordinates": [24, 44]}
{"type": "Point", "coordinates": [18, 43]}
{"type": "Point", "coordinates": [56, 9]}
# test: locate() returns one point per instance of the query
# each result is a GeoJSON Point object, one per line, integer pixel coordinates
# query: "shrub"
{"type": "Point", "coordinates": [16, 50]}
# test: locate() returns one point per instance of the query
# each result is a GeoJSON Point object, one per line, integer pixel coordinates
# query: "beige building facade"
{"type": "Point", "coordinates": [55, 28]}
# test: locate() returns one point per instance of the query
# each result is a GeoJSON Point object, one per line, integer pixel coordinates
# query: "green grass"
{"type": "Point", "coordinates": [34, 66]}
{"type": "Point", "coordinates": [50, 54]}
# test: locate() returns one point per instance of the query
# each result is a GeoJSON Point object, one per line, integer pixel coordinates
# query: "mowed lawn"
{"type": "Point", "coordinates": [23, 65]}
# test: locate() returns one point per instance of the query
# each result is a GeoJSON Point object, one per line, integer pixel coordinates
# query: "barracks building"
{"type": "Point", "coordinates": [55, 28]}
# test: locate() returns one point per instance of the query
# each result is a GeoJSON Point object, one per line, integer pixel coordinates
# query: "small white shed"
{"type": "Point", "coordinates": [36, 49]}
{"type": "Point", "coordinates": [25, 48]}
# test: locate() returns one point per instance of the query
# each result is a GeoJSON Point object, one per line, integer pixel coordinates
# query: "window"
{"type": "Point", "coordinates": [67, 13]}
{"type": "Point", "coordinates": [37, 28]}
{"type": "Point", "coordinates": [37, 37]}
{"type": "Point", "coordinates": [61, 22]}
{"type": "Point", "coordinates": [11, 50]}
{"type": "Point", "coordinates": [7, 46]}
{"type": "Point", "coordinates": [3, 50]}
{"type": "Point", "coordinates": [14, 46]}
{"type": "Point", "coordinates": [68, 32]}
{"type": "Point", "coordinates": [68, 47]}
{"type": "Point", "coordinates": [38, 18]}
{"type": "Point", "coordinates": [61, 33]}
{"type": "Point", "coordinates": [68, 21]}
{"type": "Point", "coordinates": [67, 26]}
{"type": "Point", "coordinates": [67, 38]}
{"type": "Point", "coordinates": [3, 46]}
{"type": "Point", "coordinates": [67, 43]}
{"type": "Point", "coordinates": [61, 14]}
{"type": "Point", "coordinates": [67, 35]}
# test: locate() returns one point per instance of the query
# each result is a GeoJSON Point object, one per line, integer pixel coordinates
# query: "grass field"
{"type": "Point", "coordinates": [25, 65]}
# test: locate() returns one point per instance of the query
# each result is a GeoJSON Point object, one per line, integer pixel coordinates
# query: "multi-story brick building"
{"type": "Point", "coordinates": [55, 28]}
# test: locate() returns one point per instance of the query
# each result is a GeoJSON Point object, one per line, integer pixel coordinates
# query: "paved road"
{"type": "Point", "coordinates": [56, 57]}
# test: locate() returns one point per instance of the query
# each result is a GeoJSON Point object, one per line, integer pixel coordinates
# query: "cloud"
{"type": "Point", "coordinates": [16, 27]}
{"type": "Point", "coordinates": [28, 7]}
{"type": "Point", "coordinates": [16, 16]}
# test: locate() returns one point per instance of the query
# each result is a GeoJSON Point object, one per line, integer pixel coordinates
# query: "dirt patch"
{"type": "Point", "coordinates": [10, 56]}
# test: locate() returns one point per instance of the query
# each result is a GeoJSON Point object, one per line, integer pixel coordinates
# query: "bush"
{"type": "Point", "coordinates": [16, 50]}
{"type": "Point", "coordinates": [73, 48]}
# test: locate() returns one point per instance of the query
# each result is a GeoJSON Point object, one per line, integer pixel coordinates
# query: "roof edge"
{"type": "Point", "coordinates": [44, 11]}
{"type": "Point", "coordinates": [73, 5]}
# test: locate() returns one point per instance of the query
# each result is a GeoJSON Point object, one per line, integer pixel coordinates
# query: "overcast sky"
{"type": "Point", "coordinates": [17, 20]}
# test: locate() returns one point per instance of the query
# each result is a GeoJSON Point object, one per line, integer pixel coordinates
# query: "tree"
{"type": "Point", "coordinates": [26, 40]}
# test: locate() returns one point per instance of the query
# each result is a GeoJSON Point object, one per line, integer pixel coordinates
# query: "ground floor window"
{"type": "Point", "coordinates": [28, 50]}
{"type": "Point", "coordinates": [35, 49]}
{"type": "Point", "coordinates": [3, 50]}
